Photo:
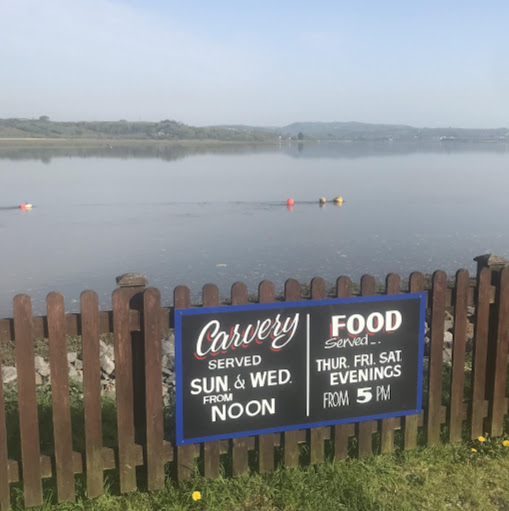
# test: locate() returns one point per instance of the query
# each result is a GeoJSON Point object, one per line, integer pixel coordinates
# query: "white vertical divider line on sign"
{"type": "Point", "coordinates": [307, 365]}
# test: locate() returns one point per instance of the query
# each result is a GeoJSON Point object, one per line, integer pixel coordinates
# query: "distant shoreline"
{"type": "Point", "coordinates": [124, 142]}
{"type": "Point", "coordinates": [130, 141]}
{"type": "Point", "coordinates": [43, 131]}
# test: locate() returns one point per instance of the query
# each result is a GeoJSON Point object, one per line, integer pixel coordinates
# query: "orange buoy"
{"type": "Point", "coordinates": [289, 202]}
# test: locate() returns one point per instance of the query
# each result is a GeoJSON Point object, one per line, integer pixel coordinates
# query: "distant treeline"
{"type": "Point", "coordinates": [43, 127]}
{"type": "Point", "coordinates": [163, 130]}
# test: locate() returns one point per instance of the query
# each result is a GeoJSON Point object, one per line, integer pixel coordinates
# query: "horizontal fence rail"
{"type": "Point", "coordinates": [136, 321]}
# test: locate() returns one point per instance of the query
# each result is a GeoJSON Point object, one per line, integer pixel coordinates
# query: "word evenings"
{"type": "Point", "coordinates": [218, 391]}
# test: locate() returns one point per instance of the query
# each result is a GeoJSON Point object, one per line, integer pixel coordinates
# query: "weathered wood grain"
{"type": "Point", "coordinates": [92, 392]}
{"type": "Point", "coordinates": [28, 416]}
{"type": "Point", "coordinates": [436, 356]}
{"type": "Point", "coordinates": [458, 356]}
{"type": "Point", "coordinates": [62, 428]}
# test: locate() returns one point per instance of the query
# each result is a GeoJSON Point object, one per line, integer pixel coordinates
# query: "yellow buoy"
{"type": "Point", "coordinates": [322, 200]}
{"type": "Point", "coordinates": [338, 199]}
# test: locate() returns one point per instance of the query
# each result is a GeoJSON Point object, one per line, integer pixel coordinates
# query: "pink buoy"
{"type": "Point", "coordinates": [289, 202]}
{"type": "Point", "coordinates": [22, 207]}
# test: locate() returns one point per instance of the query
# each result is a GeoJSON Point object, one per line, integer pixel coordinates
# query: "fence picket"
{"type": "Point", "coordinates": [392, 286]}
{"type": "Point", "coordinates": [317, 436]}
{"type": "Point", "coordinates": [482, 318]}
{"type": "Point", "coordinates": [92, 392]}
{"type": "Point", "coordinates": [498, 403]}
{"type": "Point", "coordinates": [240, 450]}
{"type": "Point", "coordinates": [343, 431]}
{"type": "Point", "coordinates": [124, 388]}
{"type": "Point", "coordinates": [28, 417]}
{"type": "Point", "coordinates": [62, 428]}
{"type": "Point", "coordinates": [411, 422]}
{"type": "Point", "coordinates": [5, 501]}
{"type": "Point", "coordinates": [211, 450]}
{"type": "Point", "coordinates": [367, 428]}
{"type": "Point", "coordinates": [154, 388]}
{"type": "Point", "coordinates": [291, 438]}
{"type": "Point", "coordinates": [458, 355]}
{"type": "Point", "coordinates": [185, 453]}
{"type": "Point", "coordinates": [438, 293]}
{"type": "Point", "coordinates": [266, 294]}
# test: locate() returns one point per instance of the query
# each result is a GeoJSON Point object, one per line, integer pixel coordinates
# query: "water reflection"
{"type": "Point", "coordinates": [48, 150]}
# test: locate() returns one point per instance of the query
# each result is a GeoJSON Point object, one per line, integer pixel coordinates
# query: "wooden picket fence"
{"type": "Point", "coordinates": [136, 321]}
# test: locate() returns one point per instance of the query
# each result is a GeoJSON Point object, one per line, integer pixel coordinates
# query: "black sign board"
{"type": "Point", "coordinates": [251, 369]}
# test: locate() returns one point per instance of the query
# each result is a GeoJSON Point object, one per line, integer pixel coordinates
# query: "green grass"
{"type": "Point", "coordinates": [440, 477]}
{"type": "Point", "coordinates": [435, 478]}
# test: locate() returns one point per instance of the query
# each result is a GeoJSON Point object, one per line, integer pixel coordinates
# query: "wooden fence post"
{"type": "Point", "coordinates": [240, 452]}
{"type": "Point", "coordinates": [266, 294]}
{"type": "Point", "coordinates": [129, 375]}
{"type": "Point", "coordinates": [92, 392]}
{"type": "Point", "coordinates": [496, 365]}
{"type": "Point", "coordinates": [458, 356]}
{"type": "Point", "coordinates": [62, 428]}
{"type": "Point", "coordinates": [366, 429]}
{"type": "Point", "coordinates": [185, 453]}
{"type": "Point", "coordinates": [291, 438]}
{"type": "Point", "coordinates": [28, 416]}
{"type": "Point", "coordinates": [211, 450]}
{"type": "Point", "coordinates": [411, 422]}
{"type": "Point", "coordinates": [343, 431]}
{"type": "Point", "coordinates": [480, 352]}
{"type": "Point", "coordinates": [154, 389]}
{"type": "Point", "coordinates": [317, 436]}
{"type": "Point", "coordinates": [434, 412]}
{"type": "Point", "coordinates": [5, 490]}
{"type": "Point", "coordinates": [392, 286]}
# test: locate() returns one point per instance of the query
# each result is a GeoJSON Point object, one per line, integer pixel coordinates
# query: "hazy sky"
{"type": "Point", "coordinates": [424, 63]}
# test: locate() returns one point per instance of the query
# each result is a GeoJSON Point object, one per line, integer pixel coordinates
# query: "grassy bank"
{"type": "Point", "coordinates": [466, 475]}
{"type": "Point", "coordinates": [436, 478]}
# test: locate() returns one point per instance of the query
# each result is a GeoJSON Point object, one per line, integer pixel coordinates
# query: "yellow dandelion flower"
{"type": "Point", "coordinates": [481, 439]}
{"type": "Point", "coordinates": [196, 495]}
{"type": "Point", "coordinates": [474, 450]}
{"type": "Point", "coordinates": [505, 443]}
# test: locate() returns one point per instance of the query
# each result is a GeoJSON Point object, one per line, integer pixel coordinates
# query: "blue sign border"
{"type": "Point", "coordinates": [180, 313]}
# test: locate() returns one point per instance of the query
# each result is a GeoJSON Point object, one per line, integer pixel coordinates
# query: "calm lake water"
{"type": "Point", "coordinates": [196, 215]}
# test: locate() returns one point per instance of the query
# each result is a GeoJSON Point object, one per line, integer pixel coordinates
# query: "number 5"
{"type": "Point", "coordinates": [364, 395]}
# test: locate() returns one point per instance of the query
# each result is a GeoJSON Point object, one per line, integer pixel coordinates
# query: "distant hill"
{"type": "Point", "coordinates": [173, 130]}
{"type": "Point", "coordinates": [359, 131]}
{"type": "Point", "coordinates": [346, 129]}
